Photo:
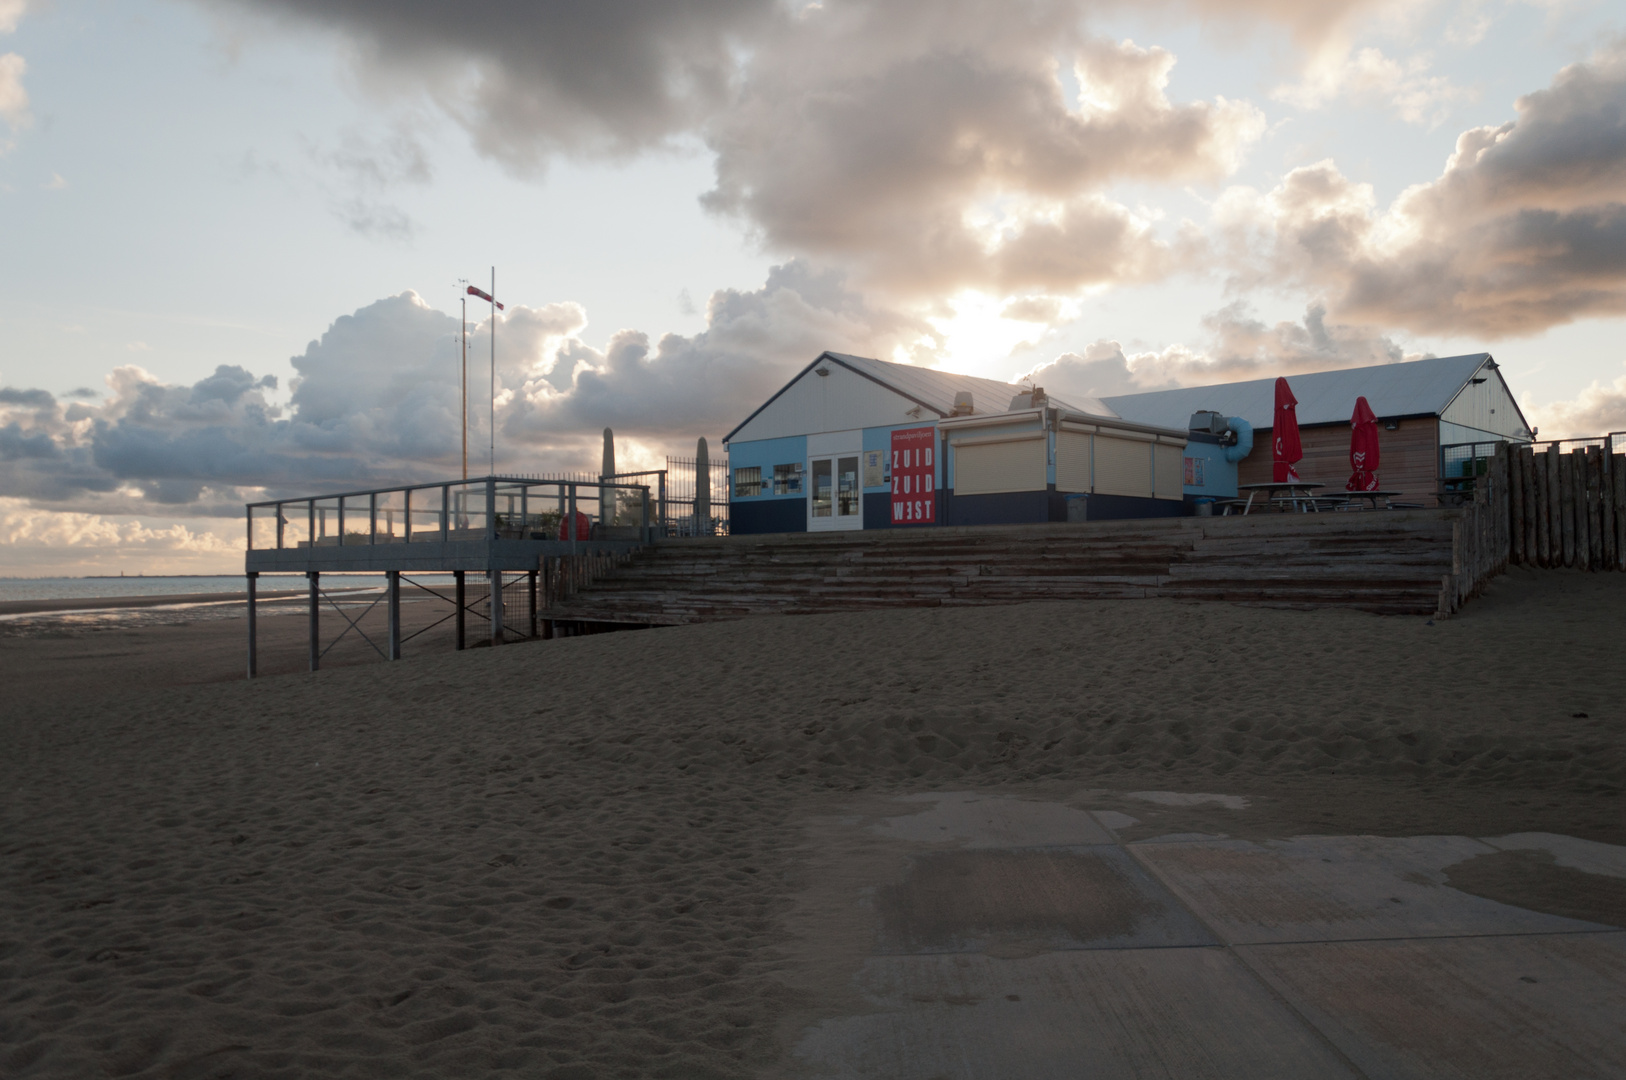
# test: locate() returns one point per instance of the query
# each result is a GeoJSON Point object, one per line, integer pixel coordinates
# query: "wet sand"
{"type": "Point", "coordinates": [578, 858]}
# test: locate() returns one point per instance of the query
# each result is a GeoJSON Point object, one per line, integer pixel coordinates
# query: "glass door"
{"type": "Point", "coordinates": [820, 492]}
{"type": "Point", "coordinates": [835, 497]}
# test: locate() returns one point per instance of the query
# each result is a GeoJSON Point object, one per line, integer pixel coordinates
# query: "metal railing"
{"type": "Point", "coordinates": [1612, 443]}
{"type": "Point", "coordinates": [681, 518]}
{"type": "Point", "coordinates": [1458, 460]}
{"type": "Point", "coordinates": [489, 508]}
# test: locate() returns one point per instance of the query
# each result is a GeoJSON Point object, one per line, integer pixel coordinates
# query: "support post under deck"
{"type": "Point", "coordinates": [253, 642]}
{"type": "Point", "coordinates": [496, 607]}
{"type": "Point", "coordinates": [316, 618]}
{"type": "Point", "coordinates": [532, 584]}
{"type": "Point", "coordinates": [392, 586]}
{"type": "Point", "coordinates": [462, 605]}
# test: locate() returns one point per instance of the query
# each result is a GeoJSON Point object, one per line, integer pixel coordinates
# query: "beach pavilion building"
{"type": "Point", "coordinates": [1437, 419]}
{"type": "Point", "coordinates": [856, 443]}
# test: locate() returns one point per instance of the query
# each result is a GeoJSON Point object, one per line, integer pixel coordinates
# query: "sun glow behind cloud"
{"type": "Point", "coordinates": [981, 332]}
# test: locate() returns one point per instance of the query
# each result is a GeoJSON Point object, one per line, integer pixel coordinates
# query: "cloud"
{"type": "Point", "coordinates": [936, 154]}
{"type": "Point", "coordinates": [925, 147]}
{"type": "Point", "coordinates": [534, 79]}
{"type": "Point", "coordinates": [13, 98]}
{"type": "Point", "coordinates": [1597, 410]}
{"type": "Point", "coordinates": [361, 171]}
{"type": "Point", "coordinates": [375, 401]}
{"type": "Point", "coordinates": [1524, 230]}
{"type": "Point", "coordinates": [11, 13]}
{"type": "Point", "coordinates": [1416, 96]}
{"type": "Point", "coordinates": [34, 540]}
{"type": "Point", "coordinates": [1238, 346]}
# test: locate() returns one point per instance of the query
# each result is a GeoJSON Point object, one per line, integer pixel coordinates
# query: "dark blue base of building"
{"type": "Point", "coordinates": [1013, 507]}
{"type": "Point", "coordinates": [1003, 508]}
{"type": "Point", "coordinates": [767, 516]}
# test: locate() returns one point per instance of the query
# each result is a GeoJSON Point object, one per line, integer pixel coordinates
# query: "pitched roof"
{"type": "Point", "coordinates": [1414, 388]}
{"type": "Point", "coordinates": [933, 388]}
{"type": "Point", "coordinates": [936, 389]}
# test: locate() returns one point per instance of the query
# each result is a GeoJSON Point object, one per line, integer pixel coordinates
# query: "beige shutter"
{"type": "Point", "coordinates": [1123, 466]}
{"type": "Point", "coordinates": [986, 467]}
{"type": "Point", "coordinates": [1170, 472]}
{"type": "Point", "coordinates": [1072, 461]}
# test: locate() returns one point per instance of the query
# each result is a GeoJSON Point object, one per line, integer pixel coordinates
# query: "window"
{"type": "Point", "coordinates": [748, 482]}
{"type": "Point", "coordinates": [787, 479]}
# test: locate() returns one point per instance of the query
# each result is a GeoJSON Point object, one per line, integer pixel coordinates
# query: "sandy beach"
{"type": "Point", "coordinates": [598, 856]}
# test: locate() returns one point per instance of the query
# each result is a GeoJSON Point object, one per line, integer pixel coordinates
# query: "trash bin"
{"type": "Point", "coordinates": [1078, 507]}
{"type": "Point", "coordinates": [1205, 507]}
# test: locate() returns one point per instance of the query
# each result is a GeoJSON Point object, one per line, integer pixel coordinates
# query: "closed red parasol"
{"type": "Point", "coordinates": [1363, 448]}
{"type": "Point", "coordinates": [1286, 449]}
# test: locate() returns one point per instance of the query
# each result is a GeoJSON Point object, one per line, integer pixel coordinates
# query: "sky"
{"type": "Point", "coordinates": [236, 231]}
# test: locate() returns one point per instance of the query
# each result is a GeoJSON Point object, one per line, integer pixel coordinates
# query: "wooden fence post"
{"type": "Point", "coordinates": [1555, 503]}
{"type": "Point", "coordinates": [1527, 488]}
{"type": "Point", "coordinates": [1566, 505]}
{"type": "Point", "coordinates": [1538, 469]}
{"type": "Point", "coordinates": [1583, 534]}
{"type": "Point", "coordinates": [1515, 499]}
{"type": "Point", "coordinates": [1617, 463]}
{"type": "Point", "coordinates": [1606, 510]}
{"type": "Point", "coordinates": [1594, 508]}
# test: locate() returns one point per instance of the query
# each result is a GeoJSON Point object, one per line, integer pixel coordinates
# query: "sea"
{"type": "Point", "coordinates": [344, 590]}
{"type": "Point", "coordinates": [75, 588]}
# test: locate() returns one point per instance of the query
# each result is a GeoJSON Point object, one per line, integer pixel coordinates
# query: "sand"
{"type": "Point", "coordinates": [577, 858]}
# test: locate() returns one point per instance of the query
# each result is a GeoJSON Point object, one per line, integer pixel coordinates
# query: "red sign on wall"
{"type": "Point", "coordinates": [914, 476]}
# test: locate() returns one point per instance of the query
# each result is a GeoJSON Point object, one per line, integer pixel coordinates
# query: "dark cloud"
{"type": "Point", "coordinates": [36, 399]}
{"type": "Point", "coordinates": [1525, 229]}
{"type": "Point", "coordinates": [938, 153]}
{"type": "Point", "coordinates": [375, 401]}
{"type": "Point", "coordinates": [554, 76]}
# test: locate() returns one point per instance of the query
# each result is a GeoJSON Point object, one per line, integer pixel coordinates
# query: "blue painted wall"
{"type": "Point", "coordinates": [767, 512]}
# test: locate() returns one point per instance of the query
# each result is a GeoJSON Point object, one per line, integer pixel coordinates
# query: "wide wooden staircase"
{"type": "Point", "coordinates": [1390, 563]}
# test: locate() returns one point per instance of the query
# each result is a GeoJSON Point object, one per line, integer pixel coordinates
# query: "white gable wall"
{"type": "Point", "coordinates": [1487, 406]}
{"type": "Point", "coordinates": [839, 401]}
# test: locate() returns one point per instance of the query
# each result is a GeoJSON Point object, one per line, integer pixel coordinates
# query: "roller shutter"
{"type": "Point", "coordinates": [1123, 466]}
{"type": "Point", "coordinates": [986, 467]}
{"type": "Point", "coordinates": [1072, 461]}
{"type": "Point", "coordinates": [1170, 471]}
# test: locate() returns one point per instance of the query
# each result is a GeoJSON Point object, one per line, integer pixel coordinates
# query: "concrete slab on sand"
{"type": "Point", "coordinates": [1337, 888]}
{"type": "Point", "coordinates": [1524, 1008]}
{"type": "Point", "coordinates": [1021, 901]}
{"type": "Point", "coordinates": [970, 820]}
{"type": "Point", "coordinates": [997, 937]}
{"type": "Point", "coordinates": [1062, 1016]}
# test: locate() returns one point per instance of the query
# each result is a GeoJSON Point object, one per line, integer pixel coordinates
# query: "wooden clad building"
{"type": "Point", "coordinates": [1424, 408]}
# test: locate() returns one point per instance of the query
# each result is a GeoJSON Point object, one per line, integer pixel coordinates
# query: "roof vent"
{"type": "Point", "coordinates": [962, 404]}
{"type": "Point", "coordinates": [1028, 399]}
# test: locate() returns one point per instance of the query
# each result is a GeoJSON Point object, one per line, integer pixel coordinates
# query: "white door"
{"type": "Point", "coordinates": [835, 499]}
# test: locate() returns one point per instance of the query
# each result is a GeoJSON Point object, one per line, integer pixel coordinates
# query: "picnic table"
{"type": "Point", "coordinates": [1370, 496]}
{"type": "Point", "coordinates": [1298, 492]}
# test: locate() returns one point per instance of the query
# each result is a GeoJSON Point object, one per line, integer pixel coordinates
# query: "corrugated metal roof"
{"type": "Point", "coordinates": [1413, 388]}
{"type": "Point", "coordinates": [937, 388]}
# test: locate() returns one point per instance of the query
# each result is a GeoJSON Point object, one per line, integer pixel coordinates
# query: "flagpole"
{"type": "Point", "coordinates": [493, 371]}
{"type": "Point", "coordinates": [463, 339]}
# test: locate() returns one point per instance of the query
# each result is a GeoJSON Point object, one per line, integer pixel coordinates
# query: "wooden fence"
{"type": "Point", "coordinates": [1568, 509]}
{"type": "Point", "coordinates": [1481, 535]}
{"type": "Point", "coordinates": [1553, 508]}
